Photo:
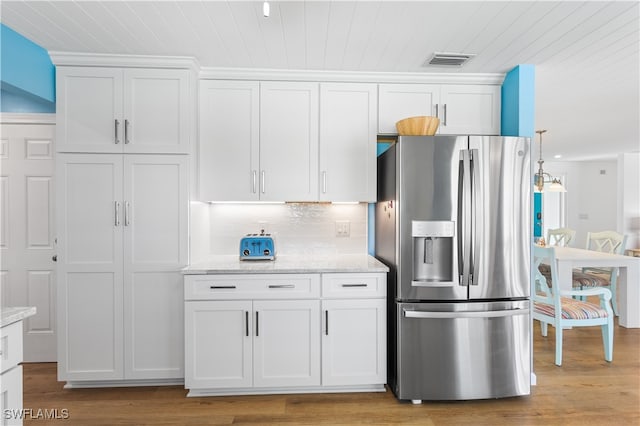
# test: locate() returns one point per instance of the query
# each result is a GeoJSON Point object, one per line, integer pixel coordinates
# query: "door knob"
{"type": "Point", "coordinates": [54, 258]}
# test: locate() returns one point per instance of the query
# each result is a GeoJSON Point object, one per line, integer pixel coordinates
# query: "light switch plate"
{"type": "Point", "coordinates": [343, 228]}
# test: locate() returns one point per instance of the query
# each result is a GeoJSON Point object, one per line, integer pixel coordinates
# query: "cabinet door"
{"type": "Point", "coordinates": [156, 111]}
{"type": "Point", "coordinates": [354, 342]}
{"type": "Point", "coordinates": [286, 343]}
{"type": "Point", "coordinates": [229, 140]}
{"type": "Point", "coordinates": [89, 110]}
{"type": "Point", "coordinates": [89, 226]}
{"type": "Point", "coordinates": [469, 109]}
{"type": "Point", "coordinates": [348, 142]}
{"type": "Point", "coordinates": [218, 344]}
{"type": "Point", "coordinates": [154, 326]}
{"type": "Point", "coordinates": [11, 397]}
{"type": "Point", "coordinates": [398, 101]}
{"type": "Point", "coordinates": [155, 248]}
{"type": "Point", "coordinates": [288, 141]}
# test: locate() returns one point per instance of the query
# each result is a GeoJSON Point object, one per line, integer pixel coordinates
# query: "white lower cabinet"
{"type": "Point", "coordinates": [219, 344]}
{"type": "Point", "coordinates": [353, 342]}
{"type": "Point", "coordinates": [273, 333]}
{"type": "Point", "coordinates": [354, 336]}
{"type": "Point", "coordinates": [286, 343]}
{"type": "Point", "coordinates": [243, 344]}
{"type": "Point", "coordinates": [11, 355]}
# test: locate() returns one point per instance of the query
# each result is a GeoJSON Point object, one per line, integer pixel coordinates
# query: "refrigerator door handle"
{"type": "Point", "coordinates": [465, 314]}
{"type": "Point", "coordinates": [464, 218]}
{"type": "Point", "coordinates": [477, 217]}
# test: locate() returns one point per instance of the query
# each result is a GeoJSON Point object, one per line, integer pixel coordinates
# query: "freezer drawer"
{"type": "Point", "coordinates": [459, 351]}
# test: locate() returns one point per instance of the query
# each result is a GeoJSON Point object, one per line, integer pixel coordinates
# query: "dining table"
{"type": "Point", "coordinates": [628, 284]}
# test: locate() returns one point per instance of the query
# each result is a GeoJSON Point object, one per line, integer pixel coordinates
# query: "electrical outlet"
{"type": "Point", "coordinates": [343, 228]}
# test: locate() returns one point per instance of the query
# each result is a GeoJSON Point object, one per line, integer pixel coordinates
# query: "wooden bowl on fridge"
{"type": "Point", "coordinates": [422, 125]}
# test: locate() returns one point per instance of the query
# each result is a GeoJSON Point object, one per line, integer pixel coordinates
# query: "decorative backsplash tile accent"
{"type": "Point", "coordinates": [299, 228]}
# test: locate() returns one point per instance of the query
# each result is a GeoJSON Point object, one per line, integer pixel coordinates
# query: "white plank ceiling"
{"type": "Point", "coordinates": [586, 53]}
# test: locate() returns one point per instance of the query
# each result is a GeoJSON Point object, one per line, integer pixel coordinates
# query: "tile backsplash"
{"type": "Point", "coordinates": [299, 228]}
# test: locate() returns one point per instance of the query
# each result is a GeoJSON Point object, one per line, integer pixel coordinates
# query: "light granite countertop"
{"type": "Point", "coordinates": [18, 313]}
{"type": "Point", "coordinates": [288, 264]}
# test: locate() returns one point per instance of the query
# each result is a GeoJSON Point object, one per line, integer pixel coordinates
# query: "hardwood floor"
{"type": "Point", "coordinates": [586, 390]}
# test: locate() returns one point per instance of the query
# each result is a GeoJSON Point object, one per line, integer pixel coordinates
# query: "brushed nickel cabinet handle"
{"type": "Point", "coordinates": [126, 213]}
{"type": "Point", "coordinates": [282, 286]}
{"type": "Point", "coordinates": [116, 213]}
{"type": "Point", "coordinates": [246, 323]}
{"type": "Point", "coordinates": [254, 176]}
{"type": "Point", "coordinates": [354, 285]}
{"type": "Point", "coordinates": [445, 114]}
{"type": "Point", "coordinates": [126, 132]}
{"type": "Point", "coordinates": [218, 287]}
{"type": "Point", "coordinates": [262, 182]}
{"type": "Point", "coordinates": [324, 182]}
{"type": "Point", "coordinates": [117, 125]}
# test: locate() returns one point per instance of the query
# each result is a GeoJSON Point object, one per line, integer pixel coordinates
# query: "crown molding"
{"type": "Point", "coordinates": [265, 74]}
{"type": "Point", "coordinates": [109, 60]}
{"type": "Point", "coordinates": [268, 74]}
{"type": "Point", "coordinates": [27, 118]}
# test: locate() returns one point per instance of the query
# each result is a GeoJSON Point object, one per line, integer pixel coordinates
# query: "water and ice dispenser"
{"type": "Point", "coordinates": [432, 253]}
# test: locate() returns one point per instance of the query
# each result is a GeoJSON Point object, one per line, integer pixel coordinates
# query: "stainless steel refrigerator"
{"type": "Point", "coordinates": [453, 224]}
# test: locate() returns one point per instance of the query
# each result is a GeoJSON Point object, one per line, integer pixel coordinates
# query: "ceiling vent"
{"type": "Point", "coordinates": [449, 59]}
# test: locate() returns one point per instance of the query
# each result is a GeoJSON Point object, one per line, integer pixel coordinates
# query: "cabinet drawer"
{"type": "Point", "coordinates": [11, 345]}
{"type": "Point", "coordinates": [258, 286]}
{"type": "Point", "coordinates": [354, 285]}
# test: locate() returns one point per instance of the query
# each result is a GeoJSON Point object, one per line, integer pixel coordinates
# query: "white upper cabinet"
{"type": "Point", "coordinates": [288, 141]}
{"type": "Point", "coordinates": [470, 109]}
{"type": "Point", "coordinates": [398, 101]}
{"type": "Point", "coordinates": [229, 140]}
{"type": "Point", "coordinates": [156, 111]}
{"type": "Point", "coordinates": [88, 109]}
{"type": "Point", "coordinates": [115, 110]}
{"type": "Point", "coordinates": [258, 141]}
{"type": "Point", "coordinates": [348, 142]}
{"type": "Point", "coordinates": [462, 109]}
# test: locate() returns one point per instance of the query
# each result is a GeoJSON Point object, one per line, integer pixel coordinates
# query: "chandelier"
{"type": "Point", "coordinates": [543, 177]}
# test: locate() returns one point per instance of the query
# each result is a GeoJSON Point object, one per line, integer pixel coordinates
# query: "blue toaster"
{"type": "Point", "coordinates": [257, 247]}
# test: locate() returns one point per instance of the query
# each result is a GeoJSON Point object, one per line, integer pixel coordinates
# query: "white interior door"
{"type": "Point", "coordinates": [27, 231]}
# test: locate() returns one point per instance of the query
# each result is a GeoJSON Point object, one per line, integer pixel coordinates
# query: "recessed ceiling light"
{"type": "Point", "coordinates": [557, 156]}
{"type": "Point", "coordinates": [442, 59]}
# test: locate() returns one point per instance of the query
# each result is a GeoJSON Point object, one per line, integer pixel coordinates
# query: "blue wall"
{"type": "Point", "coordinates": [27, 76]}
{"type": "Point", "coordinates": [518, 102]}
{"type": "Point", "coordinates": [518, 116]}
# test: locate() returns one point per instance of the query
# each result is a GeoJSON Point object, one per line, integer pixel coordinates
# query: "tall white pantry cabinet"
{"type": "Point", "coordinates": [122, 218]}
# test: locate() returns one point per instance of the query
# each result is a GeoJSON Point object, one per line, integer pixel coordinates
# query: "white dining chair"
{"type": "Point", "coordinates": [560, 236]}
{"type": "Point", "coordinates": [607, 242]}
{"type": "Point", "coordinates": [561, 310]}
